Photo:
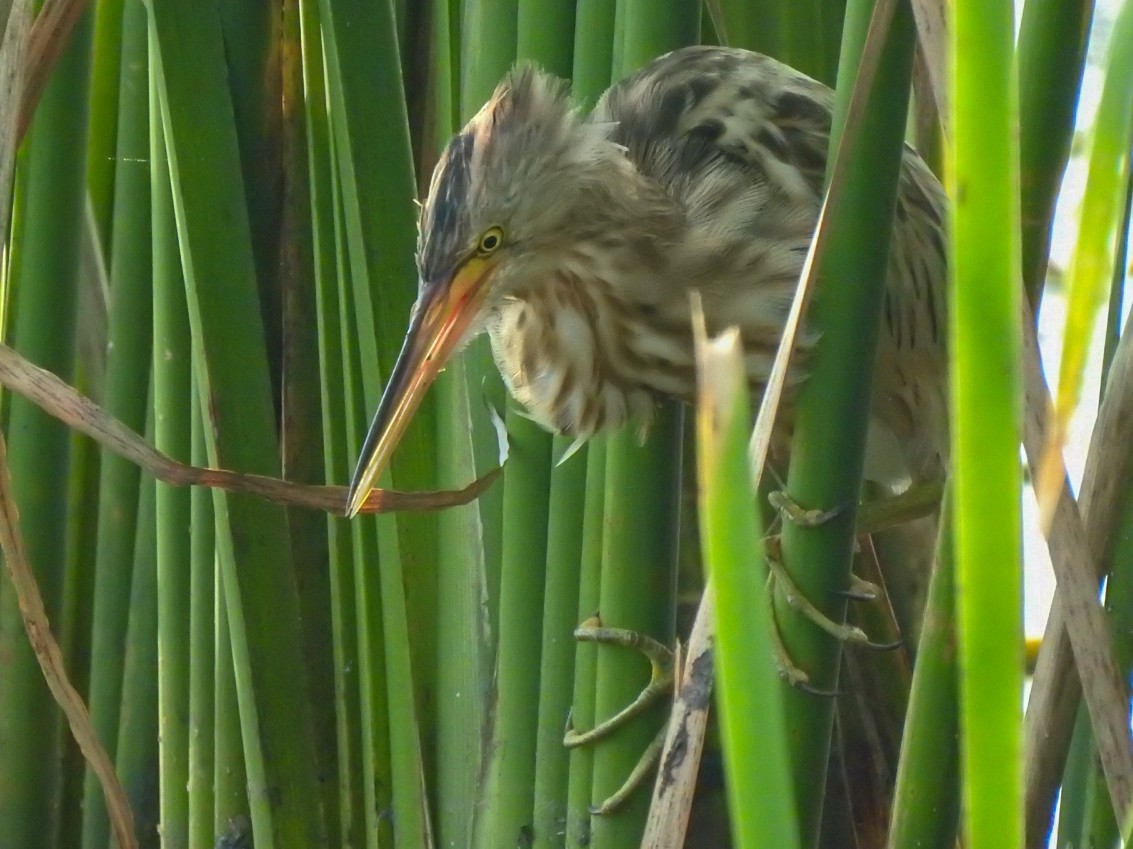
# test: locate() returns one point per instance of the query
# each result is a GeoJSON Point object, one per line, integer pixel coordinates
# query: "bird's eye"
{"type": "Point", "coordinates": [490, 241]}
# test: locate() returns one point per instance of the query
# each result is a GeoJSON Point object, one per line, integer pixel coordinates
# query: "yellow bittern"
{"type": "Point", "coordinates": [575, 241]}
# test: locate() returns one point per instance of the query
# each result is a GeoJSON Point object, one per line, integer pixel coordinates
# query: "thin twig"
{"type": "Point", "coordinates": [1078, 585]}
{"type": "Point", "coordinates": [47, 40]}
{"type": "Point", "coordinates": [13, 49]}
{"type": "Point", "coordinates": [51, 661]}
{"type": "Point", "coordinates": [1056, 687]}
{"type": "Point", "coordinates": [56, 398]}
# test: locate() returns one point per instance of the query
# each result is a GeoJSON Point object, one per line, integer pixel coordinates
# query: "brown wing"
{"type": "Point", "coordinates": [738, 137]}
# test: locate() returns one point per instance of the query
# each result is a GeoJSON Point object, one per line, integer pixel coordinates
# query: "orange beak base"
{"type": "Point", "coordinates": [441, 316]}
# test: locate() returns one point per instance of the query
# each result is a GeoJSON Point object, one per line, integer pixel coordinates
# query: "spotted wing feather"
{"type": "Point", "coordinates": [740, 138]}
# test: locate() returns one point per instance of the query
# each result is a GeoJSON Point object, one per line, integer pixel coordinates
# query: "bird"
{"type": "Point", "coordinates": [575, 240]}
{"type": "Point", "coordinates": [578, 241]}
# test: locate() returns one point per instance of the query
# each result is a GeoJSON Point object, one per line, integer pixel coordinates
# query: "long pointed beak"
{"type": "Point", "coordinates": [441, 317]}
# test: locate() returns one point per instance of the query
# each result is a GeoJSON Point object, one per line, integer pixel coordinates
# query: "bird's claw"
{"type": "Point", "coordinates": [661, 677]}
{"type": "Point", "coordinates": [640, 774]}
{"type": "Point", "coordinates": [800, 603]}
{"type": "Point", "coordinates": [859, 590]}
{"type": "Point", "coordinates": [788, 670]}
{"type": "Point", "coordinates": [660, 680]}
{"type": "Point", "coordinates": [793, 512]}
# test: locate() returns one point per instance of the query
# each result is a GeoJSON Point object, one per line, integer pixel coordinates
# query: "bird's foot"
{"type": "Point", "coordinates": [788, 670]}
{"type": "Point", "coordinates": [859, 590]}
{"type": "Point", "coordinates": [791, 511]}
{"type": "Point", "coordinates": [916, 502]}
{"type": "Point", "coordinates": [661, 677]}
{"type": "Point", "coordinates": [641, 773]}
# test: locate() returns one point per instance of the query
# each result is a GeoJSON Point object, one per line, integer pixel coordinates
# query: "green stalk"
{"type": "Point", "coordinates": [102, 143]}
{"type": "Point", "coordinates": [348, 788]}
{"type": "Point", "coordinates": [560, 616]}
{"type": "Point", "coordinates": [383, 754]}
{"type": "Point", "coordinates": [545, 34]}
{"type": "Point", "coordinates": [506, 798]}
{"type": "Point", "coordinates": [217, 785]}
{"type": "Point", "coordinates": [1117, 285]}
{"type": "Point", "coordinates": [43, 268]}
{"type": "Point", "coordinates": [1075, 795]}
{"type": "Point", "coordinates": [983, 184]}
{"type": "Point", "coordinates": [75, 615]}
{"type": "Point", "coordinates": [488, 34]}
{"type": "Point", "coordinates": [231, 805]}
{"type": "Point", "coordinates": [366, 592]}
{"type": "Point", "coordinates": [593, 54]}
{"type": "Point", "coordinates": [753, 724]}
{"type": "Point", "coordinates": [125, 395]}
{"type": "Point", "coordinates": [176, 594]}
{"type": "Point", "coordinates": [512, 774]}
{"type": "Point", "coordinates": [466, 650]}
{"type": "Point", "coordinates": [638, 589]}
{"type": "Point", "coordinates": [650, 30]}
{"type": "Point", "coordinates": [753, 26]}
{"type": "Point", "coordinates": [260, 593]}
{"type": "Point", "coordinates": [581, 779]}
{"type": "Point", "coordinates": [136, 761]}
{"type": "Point", "coordinates": [926, 801]}
{"type": "Point", "coordinates": [376, 180]}
{"type": "Point", "coordinates": [510, 780]}
{"type": "Point", "coordinates": [300, 401]}
{"type": "Point", "coordinates": [800, 47]}
{"type": "Point", "coordinates": [254, 83]}
{"type": "Point", "coordinates": [593, 49]}
{"type": "Point", "coordinates": [829, 439]}
{"type": "Point", "coordinates": [638, 582]}
{"type": "Point", "coordinates": [1052, 57]}
{"type": "Point", "coordinates": [1091, 266]}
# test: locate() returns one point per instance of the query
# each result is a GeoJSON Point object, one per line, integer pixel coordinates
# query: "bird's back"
{"type": "Point", "coordinates": [741, 142]}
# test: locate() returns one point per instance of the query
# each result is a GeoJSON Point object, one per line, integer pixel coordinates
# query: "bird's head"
{"type": "Point", "coordinates": [526, 179]}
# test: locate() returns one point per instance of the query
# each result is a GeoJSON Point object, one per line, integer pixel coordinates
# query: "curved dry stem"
{"type": "Point", "coordinates": [50, 659]}
{"type": "Point", "coordinates": [62, 401]}
{"type": "Point", "coordinates": [1077, 544]}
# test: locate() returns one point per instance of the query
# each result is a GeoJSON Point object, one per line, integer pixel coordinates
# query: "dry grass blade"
{"type": "Point", "coordinates": [932, 41]}
{"type": "Point", "coordinates": [1078, 588]}
{"type": "Point", "coordinates": [1056, 687]}
{"type": "Point", "coordinates": [684, 736]}
{"type": "Point", "coordinates": [716, 15]}
{"type": "Point", "coordinates": [51, 661]}
{"type": "Point", "coordinates": [63, 402]}
{"type": "Point", "coordinates": [46, 41]}
{"type": "Point", "coordinates": [12, 52]}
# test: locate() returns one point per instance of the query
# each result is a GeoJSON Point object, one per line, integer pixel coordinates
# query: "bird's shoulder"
{"type": "Point", "coordinates": [712, 108]}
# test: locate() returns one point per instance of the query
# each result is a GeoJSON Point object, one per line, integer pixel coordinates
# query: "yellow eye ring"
{"type": "Point", "coordinates": [490, 241]}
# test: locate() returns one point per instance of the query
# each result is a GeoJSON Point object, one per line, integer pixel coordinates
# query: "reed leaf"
{"type": "Point", "coordinates": [42, 280]}
{"type": "Point", "coordinates": [985, 346]}
{"type": "Point", "coordinates": [754, 726]}
{"type": "Point", "coordinates": [829, 437]}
